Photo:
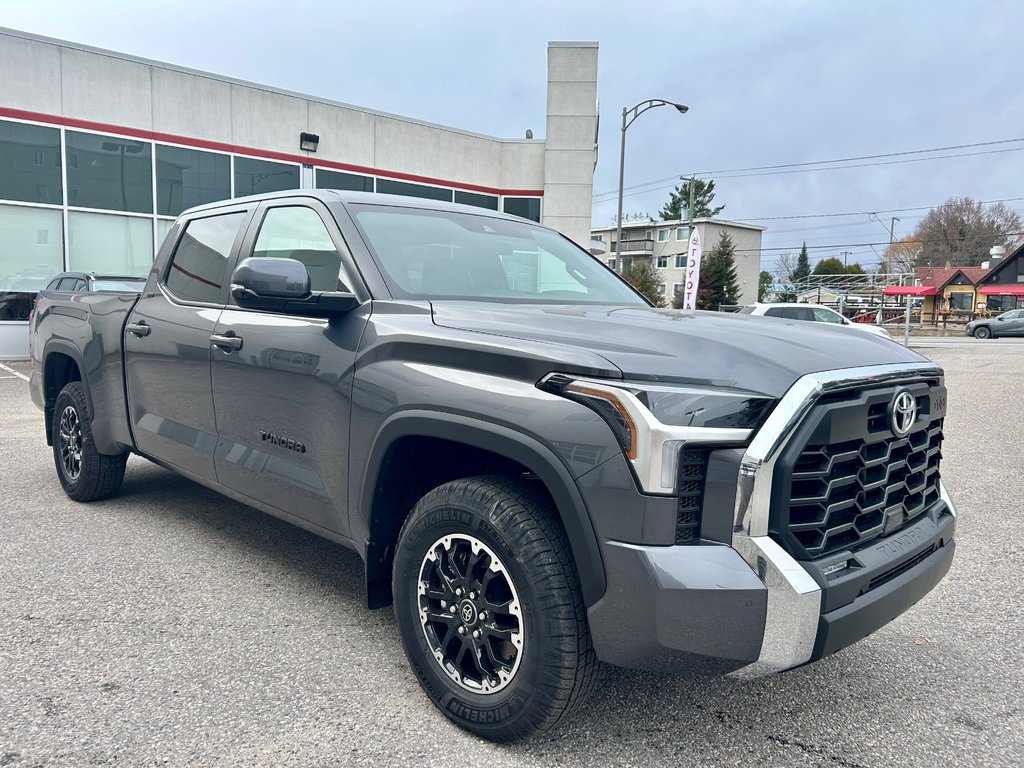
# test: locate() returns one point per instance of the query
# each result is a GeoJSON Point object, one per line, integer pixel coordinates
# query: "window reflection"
{"type": "Point", "coordinates": [189, 177]}
{"type": "Point", "coordinates": [109, 172]}
{"type": "Point", "coordinates": [30, 163]}
{"type": "Point", "coordinates": [254, 177]}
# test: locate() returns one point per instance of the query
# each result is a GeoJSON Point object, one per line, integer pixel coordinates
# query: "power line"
{"type": "Point", "coordinates": [865, 213]}
{"type": "Point", "coordinates": [805, 164]}
{"type": "Point", "coordinates": [831, 168]}
{"type": "Point", "coordinates": [868, 245]}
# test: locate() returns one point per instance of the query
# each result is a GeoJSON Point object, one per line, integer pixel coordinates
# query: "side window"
{"type": "Point", "coordinates": [200, 260]}
{"type": "Point", "coordinates": [79, 285]}
{"type": "Point", "coordinates": [297, 232]}
{"type": "Point", "coordinates": [824, 316]}
{"type": "Point", "coordinates": [775, 312]}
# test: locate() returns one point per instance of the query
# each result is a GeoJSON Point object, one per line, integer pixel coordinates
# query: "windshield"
{"type": "Point", "coordinates": [427, 254]}
{"type": "Point", "coordinates": [118, 285]}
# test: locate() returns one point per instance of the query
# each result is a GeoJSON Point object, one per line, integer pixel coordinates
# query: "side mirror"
{"type": "Point", "coordinates": [270, 279]}
{"type": "Point", "coordinates": [282, 285]}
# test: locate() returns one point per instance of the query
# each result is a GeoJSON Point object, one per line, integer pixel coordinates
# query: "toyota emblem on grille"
{"type": "Point", "coordinates": [902, 412]}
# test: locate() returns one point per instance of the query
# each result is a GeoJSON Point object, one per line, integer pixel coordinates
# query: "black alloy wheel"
{"type": "Point", "coordinates": [489, 607]}
{"type": "Point", "coordinates": [84, 472]}
{"type": "Point", "coordinates": [983, 332]}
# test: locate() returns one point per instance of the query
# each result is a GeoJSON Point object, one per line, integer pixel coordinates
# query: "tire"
{"type": "Point", "coordinates": [487, 555]}
{"type": "Point", "coordinates": [85, 473]}
{"type": "Point", "coordinates": [983, 332]}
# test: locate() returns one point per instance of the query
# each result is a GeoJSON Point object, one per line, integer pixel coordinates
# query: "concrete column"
{"type": "Point", "coordinates": [569, 149]}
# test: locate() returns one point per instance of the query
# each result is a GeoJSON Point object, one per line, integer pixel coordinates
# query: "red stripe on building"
{"type": "Point", "coordinates": [218, 146]}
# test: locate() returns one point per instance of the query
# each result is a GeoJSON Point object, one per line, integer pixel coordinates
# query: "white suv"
{"type": "Point", "coordinates": [814, 313]}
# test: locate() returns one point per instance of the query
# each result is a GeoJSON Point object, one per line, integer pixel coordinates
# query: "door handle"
{"type": "Point", "coordinates": [227, 342]}
{"type": "Point", "coordinates": [139, 329]}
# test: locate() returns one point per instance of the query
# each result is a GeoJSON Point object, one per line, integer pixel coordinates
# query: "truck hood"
{"type": "Point", "coordinates": [757, 354]}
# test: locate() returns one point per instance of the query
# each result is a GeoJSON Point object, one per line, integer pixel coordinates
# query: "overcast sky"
{"type": "Point", "coordinates": [767, 83]}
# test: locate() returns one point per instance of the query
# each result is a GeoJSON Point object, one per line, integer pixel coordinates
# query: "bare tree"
{"type": "Point", "coordinates": [960, 231]}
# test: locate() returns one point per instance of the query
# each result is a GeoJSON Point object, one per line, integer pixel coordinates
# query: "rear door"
{"type": "Point", "coordinates": [167, 344]}
{"type": "Point", "coordinates": [1013, 325]}
{"type": "Point", "coordinates": [282, 395]}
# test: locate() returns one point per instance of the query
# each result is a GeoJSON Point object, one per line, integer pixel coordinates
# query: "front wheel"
{"type": "Point", "coordinates": [85, 473]}
{"type": "Point", "coordinates": [489, 606]}
{"type": "Point", "coordinates": [982, 332]}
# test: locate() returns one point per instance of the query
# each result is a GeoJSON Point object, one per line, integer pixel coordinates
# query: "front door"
{"type": "Point", "coordinates": [167, 347]}
{"type": "Point", "coordinates": [282, 398]}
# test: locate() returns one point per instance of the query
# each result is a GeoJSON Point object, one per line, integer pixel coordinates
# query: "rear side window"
{"type": "Point", "coordinates": [199, 263]}
{"type": "Point", "coordinates": [825, 316]}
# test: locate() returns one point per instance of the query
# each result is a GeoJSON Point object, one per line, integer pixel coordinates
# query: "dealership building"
{"type": "Point", "coordinates": [99, 151]}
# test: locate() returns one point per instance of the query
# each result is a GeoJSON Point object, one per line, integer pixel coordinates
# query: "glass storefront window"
{"type": "Point", "coordinates": [190, 177]}
{"type": "Point", "coordinates": [109, 172]}
{"type": "Point", "coordinates": [480, 201]}
{"type": "Point", "coordinates": [110, 244]}
{"type": "Point", "coordinates": [391, 187]}
{"type": "Point", "coordinates": [31, 252]}
{"type": "Point", "coordinates": [253, 177]}
{"type": "Point", "coordinates": [339, 180]}
{"type": "Point", "coordinates": [163, 226]}
{"type": "Point", "coordinates": [30, 163]}
{"type": "Point", "coordinates": [527, 207]}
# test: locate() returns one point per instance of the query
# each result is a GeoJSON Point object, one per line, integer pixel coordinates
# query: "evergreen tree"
{"type": "Point", "coordinates": [718, 281]}
{"type": "Point", "coordinates": [677, 207]}
{"type": "Point", "coordinates": [764, 285]}
{"type": "Point", "coordinates": [643, 276]}
{"type": "Point", "coordinates": [803, 266]}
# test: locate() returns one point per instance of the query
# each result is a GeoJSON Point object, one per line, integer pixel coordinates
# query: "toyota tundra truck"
{"type": "Point", "coordinates": [541, 471]}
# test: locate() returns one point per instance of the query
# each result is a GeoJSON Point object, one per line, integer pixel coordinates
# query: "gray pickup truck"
{"type": "Point", "coordinates": [541, 471]}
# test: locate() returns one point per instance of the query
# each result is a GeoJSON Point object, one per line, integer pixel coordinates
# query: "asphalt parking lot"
{"type": "Point", "coordinates": [171, 626]}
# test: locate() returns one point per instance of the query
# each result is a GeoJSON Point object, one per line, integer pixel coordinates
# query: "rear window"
{"type": "Point", "coordinates": [199, 264]}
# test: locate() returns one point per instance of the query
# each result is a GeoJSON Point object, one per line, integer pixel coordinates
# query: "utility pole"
{"type": "Point", "coordinates": [689, 206]}
{"type": "Point", "coordinates": [844, 254]}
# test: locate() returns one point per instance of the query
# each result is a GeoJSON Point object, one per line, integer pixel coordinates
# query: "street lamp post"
{"type": "Point", "coordinates": [633, 114]}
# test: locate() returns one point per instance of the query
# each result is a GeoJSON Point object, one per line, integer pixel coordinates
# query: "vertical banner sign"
{"type": "Point", "coordinates": [692, 271]}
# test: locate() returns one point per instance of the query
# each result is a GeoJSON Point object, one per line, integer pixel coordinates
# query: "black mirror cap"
{"type": "Point", "coordinates": [282, 286]}
{"type": "Point", "coordinates": [270, 278]}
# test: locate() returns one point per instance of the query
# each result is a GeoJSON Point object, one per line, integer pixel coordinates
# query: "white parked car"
{"type": "Point", "coordinates": [814, 313]}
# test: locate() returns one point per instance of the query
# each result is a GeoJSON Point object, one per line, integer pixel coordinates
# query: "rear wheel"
{"type": "Point", "coordinates": [85, 473]}
{"type": "Point", "coordinates": [489, 606]}
{"type": "Point", "coordinates": [982, 332]}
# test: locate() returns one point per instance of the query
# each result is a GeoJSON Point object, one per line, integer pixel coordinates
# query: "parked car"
{"type": "Point", "coordinates": [89, 282]}
{"type": "Point", "coordinates": [540, 470]}
{"type": "Point", "coordinates": [814, 313]}
{"type": "Point", "coordinates": [1007, 324]}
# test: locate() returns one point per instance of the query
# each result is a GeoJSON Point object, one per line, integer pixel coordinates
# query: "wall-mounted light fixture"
{"type": "Point", "coordinates": [308, 142]}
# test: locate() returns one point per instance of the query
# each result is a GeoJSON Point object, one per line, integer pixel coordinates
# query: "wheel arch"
{"type": "Point", "coordinates": [62, 364]}
{"type": "Point", "coordinates": [384, 509]}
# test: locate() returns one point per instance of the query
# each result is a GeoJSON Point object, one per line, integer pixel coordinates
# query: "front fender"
{"type": "Point", "coordinates": [501, 440]}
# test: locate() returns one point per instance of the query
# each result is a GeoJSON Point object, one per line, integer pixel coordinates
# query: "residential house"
{"type": "Point", "coordinates": [1002, 287]}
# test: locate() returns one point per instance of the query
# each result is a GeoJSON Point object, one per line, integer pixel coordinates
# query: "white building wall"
{"type": "Point", "coordinates": [77, 87]}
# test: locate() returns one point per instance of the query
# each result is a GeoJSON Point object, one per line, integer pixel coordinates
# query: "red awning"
{"type": "Point", "coordinates": [1002, 290]}
{"type": "Point", "coordinates": [910, 290]}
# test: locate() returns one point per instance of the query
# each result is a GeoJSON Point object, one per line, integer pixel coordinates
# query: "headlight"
{"type": "Point", "coordinates": [653, 422]}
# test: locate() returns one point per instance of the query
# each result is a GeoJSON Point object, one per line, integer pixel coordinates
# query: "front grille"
{"type": "Point", "coordinates": [853, 479]}
{"type": "Point", "coordinates": [693, 469]}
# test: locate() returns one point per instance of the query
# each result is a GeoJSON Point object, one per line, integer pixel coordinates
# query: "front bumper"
{"type": "Point", "coordinates": [705, 608]}
{"type": "Point", "coordinates": [752, 609]}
